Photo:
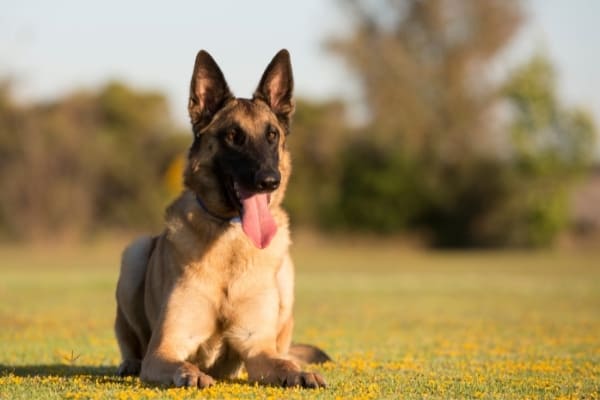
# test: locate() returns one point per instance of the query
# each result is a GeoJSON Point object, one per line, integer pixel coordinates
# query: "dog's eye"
{"type": "Point", "coordinates": [272, 135]}
{"type": "Point", "coordinates": [236, 137]}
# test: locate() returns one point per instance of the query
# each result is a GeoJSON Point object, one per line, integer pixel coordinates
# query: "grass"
{"type": "Point", "coordinates": [399, 324]}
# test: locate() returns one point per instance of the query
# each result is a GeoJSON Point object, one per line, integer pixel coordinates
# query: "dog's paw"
{"type": "Point", "coordinates": [310, 380]}
{"type": "Point", "coordinates": [282, 372]}
{"type": "Point", "coordinates": [129, 368]}
{"type": "Point", "coordinates": [188, 375]}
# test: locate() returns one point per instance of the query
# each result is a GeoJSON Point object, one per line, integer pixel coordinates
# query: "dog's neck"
{"type": "Point", "coordinates": [213, 215]}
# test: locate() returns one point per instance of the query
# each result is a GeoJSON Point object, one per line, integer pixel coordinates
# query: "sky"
{"type": "Point", "coordinates": [49, 48]}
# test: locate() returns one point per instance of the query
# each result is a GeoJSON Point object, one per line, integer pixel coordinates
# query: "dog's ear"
{"type": "Point", "coordinates": [208, 91]}
{"type": "Point", "coordinates": [276, 86]}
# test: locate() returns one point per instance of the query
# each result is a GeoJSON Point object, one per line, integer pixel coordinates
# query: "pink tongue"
{"type": "Point", "coordinates": [257, 222]}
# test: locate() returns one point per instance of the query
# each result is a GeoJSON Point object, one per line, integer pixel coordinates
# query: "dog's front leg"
{"type": "Point", "coordinates": [254, 336]}
{"type": "Point", "coordinates": [187, 321]}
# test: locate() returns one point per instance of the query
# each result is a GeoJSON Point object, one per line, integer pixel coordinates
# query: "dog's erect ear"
{"type": "Point", "coordinates": [276, 86]}
{"type": "Point", "coordinates": [208, 91]}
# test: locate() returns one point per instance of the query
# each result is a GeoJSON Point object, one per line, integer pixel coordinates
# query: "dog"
{"type": "Point", "coordinates": [214, 291]}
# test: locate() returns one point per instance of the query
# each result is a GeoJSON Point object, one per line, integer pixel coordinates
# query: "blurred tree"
{"type": "Point", "coordinates": [315, 141]}
{"type": "Point", "coordinates": [552, 146]}
{"type": "Point", "coordinates": [422, 65]}
{"type": "Point", "coordinates": [84, 163]}
{"type": "Point", "coordinates": [544, 131]}
{"type": "Point", "coordinates": [138, 142]}
{"type": "Point", "coordinates": [428, 159]}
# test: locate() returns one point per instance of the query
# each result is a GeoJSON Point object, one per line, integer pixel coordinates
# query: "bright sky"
{"type": "Point", "coordinates": [52, 47]}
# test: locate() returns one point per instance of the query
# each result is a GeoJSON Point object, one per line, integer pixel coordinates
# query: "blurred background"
{"type": "Point", "coordinates": [447, 123]}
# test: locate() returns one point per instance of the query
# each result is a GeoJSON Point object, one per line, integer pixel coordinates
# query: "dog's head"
{"type": "Point", "coordinates": [238, 164]}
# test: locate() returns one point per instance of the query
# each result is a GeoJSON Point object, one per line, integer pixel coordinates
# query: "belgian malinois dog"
{"type": "Point", "coordinates": [214, 291]}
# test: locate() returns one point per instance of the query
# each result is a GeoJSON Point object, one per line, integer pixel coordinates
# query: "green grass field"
{"type": "Point", "coordinates": [399, 324]}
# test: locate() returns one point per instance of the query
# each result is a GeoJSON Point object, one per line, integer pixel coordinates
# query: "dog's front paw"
{"type": "Point", "coordinates": [310, 380]}
{"type": "Point", "coordinates": [129, 368]}
{"type": "Point", "coordinates": [188, 375]}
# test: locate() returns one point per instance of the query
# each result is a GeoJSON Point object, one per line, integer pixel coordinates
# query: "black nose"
{"type": "Point", "coordinates": [267, 180]}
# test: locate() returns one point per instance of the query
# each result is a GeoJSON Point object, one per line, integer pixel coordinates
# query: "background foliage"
{"type": "Point", "coordinates": [86, 162]}
{"type": "Point", "coordinates": [450, 152]}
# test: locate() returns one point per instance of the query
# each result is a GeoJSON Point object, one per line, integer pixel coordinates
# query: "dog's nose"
{"type": "Point", "coordinates": [267, 180]}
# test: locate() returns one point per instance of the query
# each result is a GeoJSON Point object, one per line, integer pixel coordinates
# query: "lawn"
{"type": "Point", "coordinates": [399, 323]}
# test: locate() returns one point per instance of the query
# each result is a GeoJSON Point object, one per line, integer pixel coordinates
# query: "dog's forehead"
{"type": "Point", "coordinates": [250, 115]}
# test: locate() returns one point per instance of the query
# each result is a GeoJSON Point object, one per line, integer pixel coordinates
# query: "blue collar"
{"type": "Point", "coordinates": [215, 216]}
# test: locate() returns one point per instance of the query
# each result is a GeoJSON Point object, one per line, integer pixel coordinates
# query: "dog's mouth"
{"type": "Point", "coordinates": [257, 222]}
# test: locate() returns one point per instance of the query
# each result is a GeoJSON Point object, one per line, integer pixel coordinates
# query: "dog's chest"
{"type": "Point", "coordinates": [245, 302]}
{"type": "Point", "coordinates": [234, 272]}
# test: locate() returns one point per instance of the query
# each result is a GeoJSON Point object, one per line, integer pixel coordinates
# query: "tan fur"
{"type": "Point", "coordinates": [200, 301]}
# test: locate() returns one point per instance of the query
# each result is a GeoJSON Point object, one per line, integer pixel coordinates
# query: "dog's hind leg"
{"type": "Point", "coordinates": [130, 347]}
{"type": "Point", "coordinates": [308, 354]}
{"type": "Point", "coordinates": [131, 327]}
